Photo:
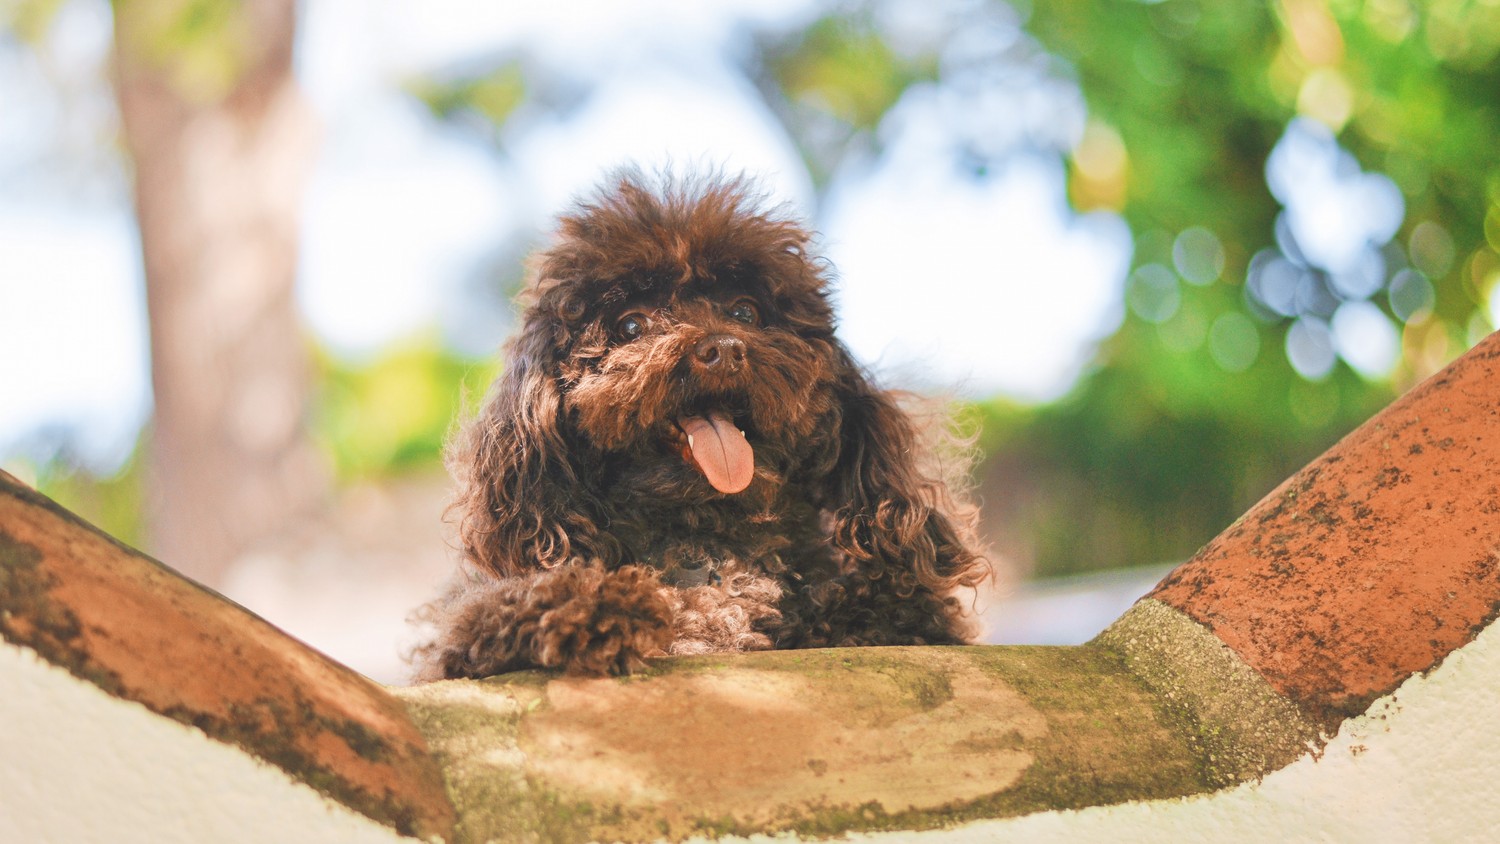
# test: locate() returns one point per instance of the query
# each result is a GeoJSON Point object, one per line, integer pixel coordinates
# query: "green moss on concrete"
{"type": "Point", "coordinates": [1241, 728]}
{"type": "Point", "coordinates": [472, 727]}
{"type": "Point", "coordinates": [1109, 739]}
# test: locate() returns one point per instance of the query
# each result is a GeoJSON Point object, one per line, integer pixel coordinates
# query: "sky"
{"type": "Point", "coordinates": [961, 285]}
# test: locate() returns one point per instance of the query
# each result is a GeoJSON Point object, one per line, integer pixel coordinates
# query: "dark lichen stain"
{"type": "Point", "coordinates": [29, 616]}
{"type": "Point", "coordinates": [270, 730]}
{"type": "Point", "coordinates": [492, 805]}
{"type": "Point", "coordinates": [1483, 568]}
{"type": "Point", "coordinates": [1391, 476]}
{"type": "Point", "coordinates": [1325, 514]}
{"type": "Point", "coordinates": [920, 686]}
{"type": "Point", "coordinates": [369, 744]}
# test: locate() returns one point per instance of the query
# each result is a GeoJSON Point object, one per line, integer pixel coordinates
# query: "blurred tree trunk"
{"type": "Point", "coordinates": [221, 140]}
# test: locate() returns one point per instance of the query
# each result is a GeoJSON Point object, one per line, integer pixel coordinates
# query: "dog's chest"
{"type": "Point", "coordinates": [700, 546]}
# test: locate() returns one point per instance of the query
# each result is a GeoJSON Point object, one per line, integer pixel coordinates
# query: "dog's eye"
{"type": "Point", "coordinates": [632, 325]}
{"type": "Point", "coordinates": [571, 309]}
{"type": "Point", "coordinates": [744, 310]}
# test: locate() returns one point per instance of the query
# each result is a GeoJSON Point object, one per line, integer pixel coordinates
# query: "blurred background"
{"type": "Point", "coordinates": [256, 257]}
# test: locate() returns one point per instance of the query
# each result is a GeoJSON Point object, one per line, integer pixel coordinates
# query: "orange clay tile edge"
{"type": "Point", "coordinates": [142, 632]}
{"type": "Point", "coordinates": [1374, 561]}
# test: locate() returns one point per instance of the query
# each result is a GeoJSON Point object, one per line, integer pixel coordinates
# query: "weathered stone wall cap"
{"type": "Point", "coordinates": [817, 743]}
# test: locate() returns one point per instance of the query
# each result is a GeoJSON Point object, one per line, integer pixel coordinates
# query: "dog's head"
{"type": "Point", "coordinates": [686, 330]}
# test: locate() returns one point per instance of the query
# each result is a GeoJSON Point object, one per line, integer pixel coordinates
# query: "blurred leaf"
{"type": "Point", "coordinates": [493, 96]}
{"type": "Point", "coordinates": [832, 83]}
{"type": "Point", "coordinates": [29, 19]}
{"type": "Point", "coordinates": [844, 67]}
{"type": "Point", "coordinates": [395, 412]}
{"type": "Point", "coordinates": [1146, 464]}
{"type": "Point", "coordinates": [1199, 93]}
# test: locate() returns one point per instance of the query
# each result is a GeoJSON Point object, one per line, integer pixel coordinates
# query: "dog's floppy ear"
{"type": "Point", "coordinates": [894, 516]}
{"type": "Point", "coordinates": [519, 504]}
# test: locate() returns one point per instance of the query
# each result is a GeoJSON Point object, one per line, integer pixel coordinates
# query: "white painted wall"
{"type": "Point", "coordinates": [78, 766]}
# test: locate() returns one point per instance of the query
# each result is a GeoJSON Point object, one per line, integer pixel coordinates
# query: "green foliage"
{"type": "Point", "coordinates": [1199, 92]}
{"type": "Point", "coordinates": [374, 419]}
{"type": "Point", "coordinates": [201, 46]}
{"type": "Point", "coordinates": [1144, 464]}
{"type": "Point", "coordinates": [28, 19]}
{"type": "Point", "coordinates": [844, 68]}
{"type": "Point", "coordinates": [832, 83]}
{"type": "Point", "coordinates": [1168, 440]}
{"type": "Point", "coordinates": [394, 413]}
{"type": "Point", "coordinates": [492, 96]}
{"type": "Point", "coordinates": [1195, 130]}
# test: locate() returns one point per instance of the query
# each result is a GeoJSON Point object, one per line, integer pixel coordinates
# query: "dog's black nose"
{"type": "Point", "coordinates": [719, 351]}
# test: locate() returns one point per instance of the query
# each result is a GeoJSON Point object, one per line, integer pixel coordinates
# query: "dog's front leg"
{"type": "Point", "coordinates": [583, 618]}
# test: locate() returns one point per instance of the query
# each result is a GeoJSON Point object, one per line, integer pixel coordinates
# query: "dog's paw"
{"type": "Point", "coordinates": [602, 622]}
{"type": "Point", "coordinates": [479, 626]}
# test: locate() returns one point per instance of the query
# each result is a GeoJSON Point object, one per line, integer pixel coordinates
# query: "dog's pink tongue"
{"type": "Point", "coordinates": [720, 450]}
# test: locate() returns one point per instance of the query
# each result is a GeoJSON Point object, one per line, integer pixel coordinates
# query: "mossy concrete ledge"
{"type": "Point", "coordinates": [819, 743]}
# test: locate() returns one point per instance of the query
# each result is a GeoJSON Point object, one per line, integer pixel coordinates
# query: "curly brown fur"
{"type": "Point", "coordinates": [600, 533]}
{"type": "Point", "coordinates": [584, 619]}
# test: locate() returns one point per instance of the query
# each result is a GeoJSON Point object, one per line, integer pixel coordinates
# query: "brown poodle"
{"type": "Point", "coordinates": [681, 458]}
